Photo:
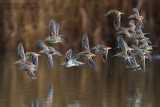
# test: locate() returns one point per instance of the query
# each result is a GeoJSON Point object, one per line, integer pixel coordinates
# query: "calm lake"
{"type": "Point", "coordinates": [107, 85]}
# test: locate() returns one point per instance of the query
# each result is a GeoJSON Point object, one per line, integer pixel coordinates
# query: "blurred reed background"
{"type": "Point", "coordinates": [27, 20]}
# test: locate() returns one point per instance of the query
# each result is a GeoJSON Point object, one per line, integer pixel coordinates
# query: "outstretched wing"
{"type": "Point", "coordinates": [142, 63]}
{"type": "Point", "coordinates": [35, 60]}
{"type": "Point", "coordinates": [85, 43]}
{"type": "Point", "coordinates": [57, 29]}
{"type": "Point", "coordinates": [122, 44]}
{"type": "Point", "coordinates": [42, 45]}
{"type": "Point", "coordinates": [68, 55]}
{"type": "Point", "coordinates": [117, 21]}
{"type": "Point", "coordinates": [104, 55]}
{"type": "Point", "coordinates": [31, 75]}
{"type": "Point", "coordinates": [51, 28]}
{"type": "Point", "coordinates": [135, 10]}
{"type": "Point", "coordinates": [90, 61]}
{"type": "Point", "coordinates": [21, 54]}
{"type": "Point", "coordinates": [132, 59]}
{"type": "Point", "coordinates": [109, 12]}
{"type": "Point", "coordinates": [137, 49]}
{"type": "Point", "coordinates": [49, 60]}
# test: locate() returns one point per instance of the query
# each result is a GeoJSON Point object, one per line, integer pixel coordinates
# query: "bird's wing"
{"type": "Point", "coordinates": [42, 45]}
{"type": "Point", "coordinates": [35, 60]}
{"type": "Point", "coordinates": [109, 12]}
{"type": "Point", "coordinates": [90, 61]}
{"type": "Point", "coordinates": [57, 29]}
{"type": "Point", "coordinates": [136, 48]}
{"type": "Point", "coordinates": [122, 44]}
{"type": "Point", "coordinates": [68, 55]}
{"type": "Point", "coordinates": [135, 10]}
{"type": "Point", "coordinates": [21, 54]}
{"type": "Point", "coordinates": [31, 75]}
{"type": "Point", "coordinates": [104, 55]}
{"type": "Point", "coordinates": [142, 63]}
{"type": "Point", "coordinates": [127, 62]}
{"type": "Point", "coordinates": [117, 21]}
{"type": "Point", "coordinates": [49, 60]}
{"type": "Point", "coordinates": [132, 59]}
{"type": "Point", "coordinates": [85, 43]}
{"type": "Point", "coordinates": [144, 42]}
{"type": "Point", "coordinates": [140, 22]}
{"type": "Point", "coordinates": [75, 57]}
{"type": "Point", "coordinates": [51, 28]}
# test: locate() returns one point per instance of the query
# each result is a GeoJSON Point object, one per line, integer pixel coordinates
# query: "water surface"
{"type": "Point", "coordinates": [108, 85]}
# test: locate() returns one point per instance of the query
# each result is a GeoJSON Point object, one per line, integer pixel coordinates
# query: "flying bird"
{"type": "Point", "coordinates": [48, 51]}
{"type": "Point", "coordinates": [117, 17]}
{"type": "Point", "coordinates": [103, 50]}
{"type": "Point", "coordinates": [30, 69]}
{"type": "Point", "coordinates": [71, 60]}
{"type": "Point", "coordinates": [86, 51]}
{"type": "Point", "coordinates": [54, 36]}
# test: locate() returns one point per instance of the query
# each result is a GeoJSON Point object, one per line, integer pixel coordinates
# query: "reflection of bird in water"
{"type": "Point", "coordinates": [86, 51]}
{"type": "Point", "coordinates": [103, 50]}
{"type": "Point", "coordinates": [35, 103]}
{"type": "Point", "coordinates": [48, 101]}
{"type": "Point", "coordinates": [49, 97]}
{"type": "Point", "coordinates": [75, 105]}
{"type": "Point", "coordinates": [48, 51]}
{"type": "Point", "coordinates": [54, 36]}
{"type": "Point", "coordinates": [117, 17]}
{"type": "Point", "coordinates": [71, 60]}
{"type": "Point", "coordinates": [135, 99]}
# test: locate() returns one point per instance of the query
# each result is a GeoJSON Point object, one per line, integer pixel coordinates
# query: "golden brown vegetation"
{"type": "Point", "coordinates": [28, 20]}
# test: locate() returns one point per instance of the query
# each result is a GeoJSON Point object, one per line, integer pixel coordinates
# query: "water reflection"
{"type": "Point", "coordinates": [35, 103]}
{"type": "Point", "coordinates": [75, 105]}
{"type": "Point", "coordinates": [108, 85]}
{"type": "Point", "coordinates": [46, 102]}
{"type": "Point", "coordinates": [135, 99]}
